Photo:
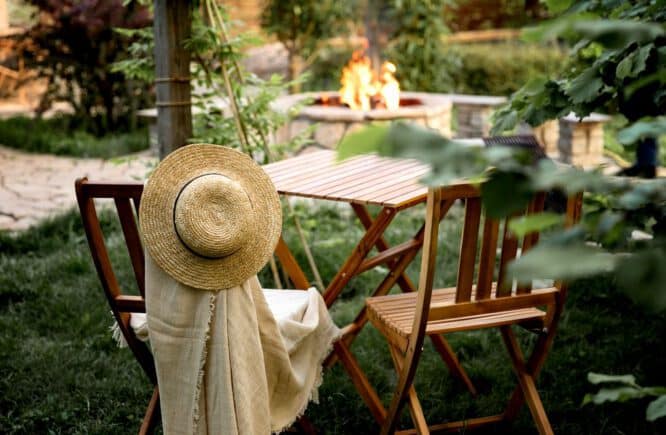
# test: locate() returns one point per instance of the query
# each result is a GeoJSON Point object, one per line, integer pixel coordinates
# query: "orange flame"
{"type": "Point", "coordinates": [362, 89]}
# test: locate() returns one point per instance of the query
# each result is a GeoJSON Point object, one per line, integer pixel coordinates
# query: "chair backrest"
{"type": "Point", "coordinates": [127, 200]}
{"type": "Point", "coordinates": [476, 292]}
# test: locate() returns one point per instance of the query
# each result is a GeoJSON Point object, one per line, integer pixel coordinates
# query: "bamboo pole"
{"type": "Point", "coordinates": [215, 18]}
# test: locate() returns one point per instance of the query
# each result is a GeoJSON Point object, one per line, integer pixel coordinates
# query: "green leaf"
{"type": "Point", "coordinates": [656, 409]}
{"type": "Point", "coordinates": [617, 33]}
{"type": "Point", "coordinates": [642, 129]}
{"type": "Point", "coordinates": [504, 119]}
{"type": "Point", "coordinates": [620, 394]}
{"type": "Point", "coordinates": [448, 159]}
{"type": "Point", "coordinates": [623, 69]}
{"type": "Point", "coordinates": [534, 222]}
{"type": "Point", "coordinates": [600, 378]}
{"type": "Point", "coordinates": [364, 141]}
{"type": "Point", "coordinates": [553, 29]}
{"type": "Point", "coordinates": [642, 275]}
{"type": "Point", "coordinates": [557, 6]}
{"type": "Point", "coordinates": [586, 86]}
{"type": "Point", "coordinates": [505, 193]}
{"type": "Point", "coordinates": [633, 64]}
{"type": "Point", "coordinates": [560, 262]}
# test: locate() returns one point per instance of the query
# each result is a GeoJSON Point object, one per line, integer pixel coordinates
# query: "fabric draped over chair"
{"type": "Point", "coordinates": [224, 364]}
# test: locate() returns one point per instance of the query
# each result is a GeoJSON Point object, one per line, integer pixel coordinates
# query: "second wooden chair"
{"type": "Point", "coordinates": [405, 319]}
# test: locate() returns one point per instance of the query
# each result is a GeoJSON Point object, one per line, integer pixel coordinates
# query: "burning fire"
{"type": "Point", "coordinates": [363, 89]}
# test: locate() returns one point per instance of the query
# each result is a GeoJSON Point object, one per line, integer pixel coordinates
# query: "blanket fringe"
{"type": "Point", "coordinates": [117, 334]}
{"type": "Point", "coordinates": [202, 362]}
{"type": "Point", "coordinates": [314, 391]}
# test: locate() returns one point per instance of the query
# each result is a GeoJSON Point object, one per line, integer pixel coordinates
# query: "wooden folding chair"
{"type": "Point", "coordinates": [127, 199]}
{"type": "Point", "coordinates": [405, 319]}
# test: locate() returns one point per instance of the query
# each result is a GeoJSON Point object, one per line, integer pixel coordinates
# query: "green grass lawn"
{"type": "Point", "coordinates": [60, 371]}
{"type": "Point", "coordinates": [58, 136]}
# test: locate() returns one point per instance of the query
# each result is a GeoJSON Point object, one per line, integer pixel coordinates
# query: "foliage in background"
{"type": "Point", "coordinates": [324, 73]}
{"type": "Point", "coordinates": [616, 65]}
{"type": "Point", "coordinates": [56, 136]}
{"type": "Point", "coordinates": [415, 45]}
{"type": "Point", "coordinates": [462, 15]}
{"type": "Point", "coordinates": [73, 45]}
{"type": "Point", "coordinates": [625, 154]}
{"type": "Point", "coordinates": [501, 68]}
{"type": "Point", "coordinates": [302, 26]}
{"type": "Point", "coordinates": [232, 106]}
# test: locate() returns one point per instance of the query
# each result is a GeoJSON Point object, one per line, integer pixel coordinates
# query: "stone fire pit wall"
{"type": "Point", "coordinates": [334, 122]}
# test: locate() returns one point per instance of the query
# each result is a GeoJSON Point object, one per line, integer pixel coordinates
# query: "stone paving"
{"type": "Point", "coordinates": [36, 186]}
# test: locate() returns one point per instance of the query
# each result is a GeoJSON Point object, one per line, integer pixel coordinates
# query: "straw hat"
{"type": "Point", "coordinates": [210, 216]}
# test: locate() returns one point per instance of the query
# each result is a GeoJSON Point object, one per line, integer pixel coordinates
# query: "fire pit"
{"type": "Point", "coordinates": [335, 121]}
{"type": "Point", "coordinates": [365, 97]}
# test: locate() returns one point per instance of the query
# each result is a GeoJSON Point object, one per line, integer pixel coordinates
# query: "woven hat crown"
{"type": "Point", "coordinates": [210, 216]}
{"type": "Point", "coordinates": [213, 216]}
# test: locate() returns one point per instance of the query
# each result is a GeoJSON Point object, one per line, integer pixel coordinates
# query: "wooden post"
{"type": "Point", "coordinates": [172, 25]}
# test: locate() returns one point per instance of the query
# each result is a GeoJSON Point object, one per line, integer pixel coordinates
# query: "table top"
{"type": "Point", "coordinates": [364, 179]}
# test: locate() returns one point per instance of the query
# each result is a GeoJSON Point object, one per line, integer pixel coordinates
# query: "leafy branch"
{"type": "Point", "coordinates": [621, 388]}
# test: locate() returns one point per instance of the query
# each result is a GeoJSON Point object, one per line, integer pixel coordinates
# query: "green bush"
{"type": "Point", "coordinates": [501, 68]}
{"type": "Point", "coordinates": [58, 136]}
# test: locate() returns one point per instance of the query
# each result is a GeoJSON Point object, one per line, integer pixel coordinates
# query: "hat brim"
{"type": "Point", "coordinates": [159, 234]}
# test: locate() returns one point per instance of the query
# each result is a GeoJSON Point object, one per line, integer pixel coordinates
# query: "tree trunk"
{"type": "Point", "coordinates": [295, 70]}
{"type": "Point", "coordinates": [172, 26]}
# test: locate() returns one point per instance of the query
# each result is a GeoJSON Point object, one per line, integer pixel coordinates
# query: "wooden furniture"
{"type": "Point", "coordinates": [475, 303]}
{"type": "Point", "coordinates": [127, 199]}
{"type": "Point", "coordinates": [393, 185]}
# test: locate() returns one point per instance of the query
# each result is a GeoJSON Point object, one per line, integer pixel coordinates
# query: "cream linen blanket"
{"type": "Point", "coordinates": [224, 364]}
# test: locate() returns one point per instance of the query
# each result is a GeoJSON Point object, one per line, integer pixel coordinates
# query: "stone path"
{"type": "Point", "coordinates": [36, 186]}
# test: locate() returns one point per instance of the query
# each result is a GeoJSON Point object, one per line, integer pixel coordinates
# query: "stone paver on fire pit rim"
{"type": "Point", "coordinates": [36, 186]}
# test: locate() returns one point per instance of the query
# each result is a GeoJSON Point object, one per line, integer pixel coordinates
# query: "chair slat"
{"type": "Point", "coordinates": [531, 239]}
{"type": "Point", "coordinates": [132, 240]}
{"type": "Point", "coordinates": [536, 206]}
{"type": "Point", "coordinates": [509, 251]}
{"type": "Point", "coordinates": [487, 260]}
{"type": "Point", "coordinates": [468, 249]}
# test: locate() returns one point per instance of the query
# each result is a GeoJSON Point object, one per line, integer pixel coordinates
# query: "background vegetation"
{"type": "Point", "coordinates": [500, 68]}
{"type": "Point", "coordinates": [59, 136]}
{"type": "Point", "coordinates": [72, 46]}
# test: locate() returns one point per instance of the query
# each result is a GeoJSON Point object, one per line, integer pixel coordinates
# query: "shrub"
{"type": "Point", "coordinates": [73, 45]}
{"type": "Point", "coordinates": [501, 68]}
{"type": "Point", "coordinates": [415, 44]}
{"type": "Point", "coordinates": [300, 26]}
{"type": "Point", "coordinates": [464, 15]}
{"type": "Point", "coordinates": [59, 136]}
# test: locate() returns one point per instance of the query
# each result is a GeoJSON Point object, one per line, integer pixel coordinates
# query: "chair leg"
{"type": "Point", "coordinates": [526, 382]}
{"type": "Point", "coordinates": [152, 416]}
{"type": "Point", "coordinates": [534, 365]}
{"type": "Point", "coordinates": [415, 409]}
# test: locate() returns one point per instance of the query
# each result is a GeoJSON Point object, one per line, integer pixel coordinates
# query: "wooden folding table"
{"type": "Point", "coordinates": [392, 184]}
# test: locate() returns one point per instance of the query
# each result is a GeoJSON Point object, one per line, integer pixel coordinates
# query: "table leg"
{"type": "Point", "coordinates": [349, 268]}
{"type": "Point", "coordinates": [398, 275]}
